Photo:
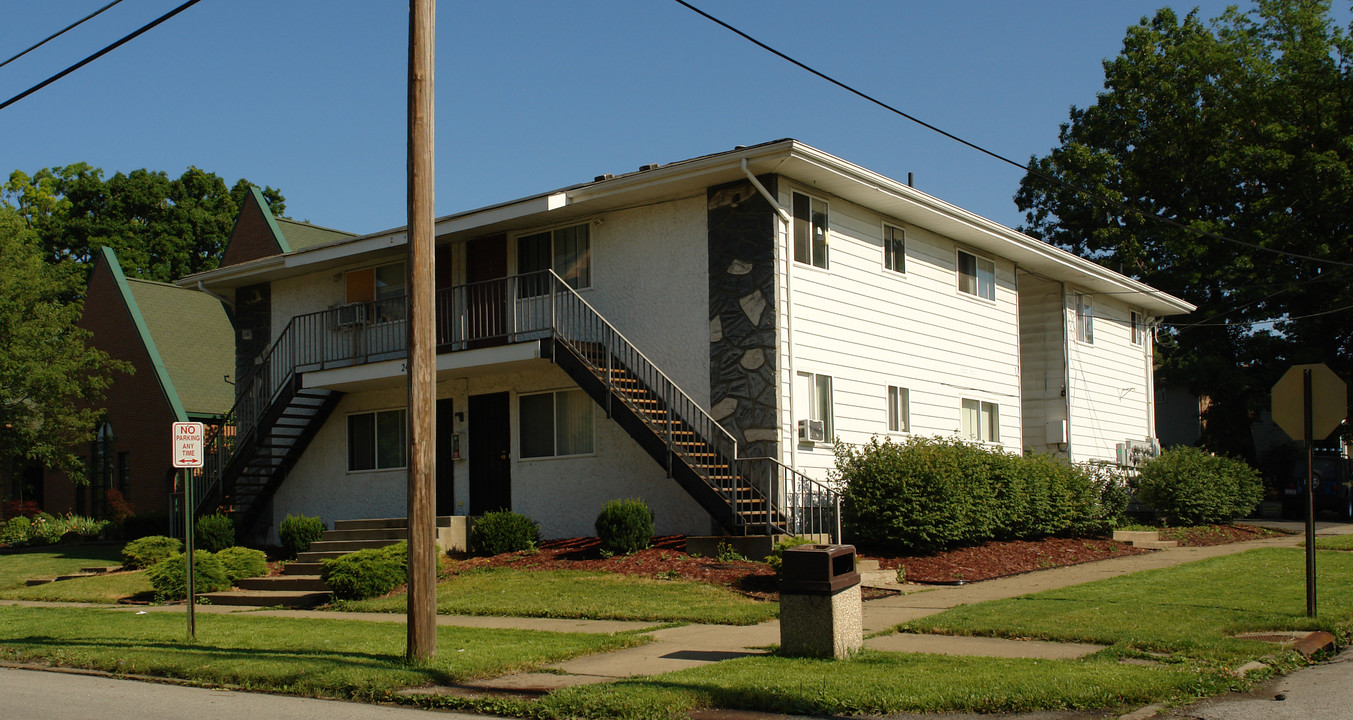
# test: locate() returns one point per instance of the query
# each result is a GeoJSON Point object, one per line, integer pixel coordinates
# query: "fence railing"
{"type": "Point", "coordinates": [512, 309]}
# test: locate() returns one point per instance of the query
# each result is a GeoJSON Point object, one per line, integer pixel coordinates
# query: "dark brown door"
{"type": "Point", "coordinates": [486, 291]}
{"type": "Point", "coordinates": [490, 453]}
{"type": "Point", "coordinates": [445, 317]}
{"type": "Point", "coordinates": [446, 463]}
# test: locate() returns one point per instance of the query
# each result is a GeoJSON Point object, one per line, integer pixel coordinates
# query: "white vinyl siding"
{"type": "Point", "coordinates": [868, 331]}
{"type": "Point", "coordinates": [1110, 383]}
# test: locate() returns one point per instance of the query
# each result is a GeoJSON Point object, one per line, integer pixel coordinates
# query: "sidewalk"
{"type": "Point", "coordinates": [677, 648]}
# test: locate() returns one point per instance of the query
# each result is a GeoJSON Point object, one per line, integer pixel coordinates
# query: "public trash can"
{"type": "Point", "coordinates": [820, 607]}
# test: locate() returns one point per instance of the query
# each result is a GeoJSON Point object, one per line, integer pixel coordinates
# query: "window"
{"type": "Point", "coordinates": [1085, 318]}
{"type": "Point", "coordinates": [981, 421]}
{"type": "Point", "coordinates": [124, 473]}
{"type": "Point", "coordinates": [899, 409]}
{"type": "Point", "coordinates": [813, 399]}
{"type": "Point", "coordinates": [894, 249]}
{"type": "Point", "coordinates": [810, 230]}
{"type": "Point", "coordinates": [382, 287]}
{"type": "Point", "coordinates": [567, 251]}
{"type": "Point", "coordinates": [976, 276]}
{"type": "Point", "coordinates": [377, 440]}
{"type": "Point", "coordinates": [1138, 328]}
{"type": "Point", "coordinates": [555, 424]}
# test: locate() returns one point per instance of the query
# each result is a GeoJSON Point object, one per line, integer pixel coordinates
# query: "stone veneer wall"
{"type": "Point", "coordinates": [742, 340]}
{"type": "Point", "coordinates": [253, 328]}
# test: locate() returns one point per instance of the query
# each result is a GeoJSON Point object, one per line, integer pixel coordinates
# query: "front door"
{"type": "Point", "coordinates": [490, 453]}
{"type": "Point", "coordinates": [486, 291]}
{"type": "Point", "coordinates": [446, 464]}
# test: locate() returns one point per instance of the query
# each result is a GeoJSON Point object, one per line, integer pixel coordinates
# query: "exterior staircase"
{"type": "Point", "coordinates": [300, 585]}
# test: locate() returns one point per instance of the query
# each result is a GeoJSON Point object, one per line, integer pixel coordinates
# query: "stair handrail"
{"type": "Point", "coordinates": [563, 289]}
{"type": "Point", "coordinates": [810, 507]}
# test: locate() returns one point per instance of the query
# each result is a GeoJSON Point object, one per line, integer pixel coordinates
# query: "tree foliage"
{"type": "Point", "coordinates": [161, 228]}
{"type": "Point", "coordinates": [48, 375]}
{"type": "Point", "coordinates": [1240, 127]}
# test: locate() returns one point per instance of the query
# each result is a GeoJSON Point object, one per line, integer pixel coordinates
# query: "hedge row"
{"type": "Point", "coordinates": [931, 494]}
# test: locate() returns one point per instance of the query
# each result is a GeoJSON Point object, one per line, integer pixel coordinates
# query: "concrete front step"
{"type": "Point", "coordinates": [1148, 539]}
{"type": "Point", "coordinates": [301, 568]}
{"type": "Point", "coordinates": [383, 523]}
{"type": "Point", "coordinates": [327, 546]}
{"type": "Point", "coordinates": [291, 583]}
{"type": "Point", "coordinates": [267, 598]}
{"type": "Point", "coordinates": [367, 534]}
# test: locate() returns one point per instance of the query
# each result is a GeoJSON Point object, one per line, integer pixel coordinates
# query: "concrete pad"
{"type": "Point", "coordinates": [980, 646]}
{"type": "Point", "coordinates": [678, 648]}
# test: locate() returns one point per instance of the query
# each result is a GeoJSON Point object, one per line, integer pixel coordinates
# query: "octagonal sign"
{"type": "Point", "coordinates": [1329, 401]}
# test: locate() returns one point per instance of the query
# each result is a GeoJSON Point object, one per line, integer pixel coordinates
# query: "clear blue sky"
{"type": "Point", "coordinates": [309, 95]}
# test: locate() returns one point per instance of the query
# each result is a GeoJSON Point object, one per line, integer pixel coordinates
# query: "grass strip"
{"type": "Point", "coordinates": [313, 657]}
{"type": "Point", "coordinates": [583, 594]}
{"type": "Point", "coordinates": [16, 567]}
{"type": "Point", "coordinates": [1191, 611]}
{"type": "Point", "coordinates": [1336, 542]}
{"type": "Point", "coordinates": [107, 588]}
{"type": "Point", "coordinates": [876, 683]}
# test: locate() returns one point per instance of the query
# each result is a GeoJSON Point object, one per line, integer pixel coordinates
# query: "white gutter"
{"type": "Point", "coordinates": [222, 298]}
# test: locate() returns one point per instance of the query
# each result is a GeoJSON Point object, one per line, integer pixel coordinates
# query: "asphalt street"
{"type": "Point", "coordinates": [39, 695]}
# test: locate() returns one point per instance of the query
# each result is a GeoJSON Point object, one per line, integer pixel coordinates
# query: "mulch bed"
{"type": "Point", "coordinates": [668, 560]}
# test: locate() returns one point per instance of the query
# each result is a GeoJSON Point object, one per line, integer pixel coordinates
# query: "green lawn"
{"type": "Point", "coordinates": [322, 658]}
{"type": "Point", "coordinates": [108, 588]}
{"type": "Point", "coordinates": [17, 567]}
{"type": "Point", "coordinates": [883, 683]}
{"type": "Point", "coordinates": [1337, 542]}
{"type": "Point", "coordinates": [584, 594]}
{"type": "Point", "coordinates": [1190, 611]}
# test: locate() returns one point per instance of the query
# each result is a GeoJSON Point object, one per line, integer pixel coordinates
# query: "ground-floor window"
{"type": "Point", "coordinates": [377, 440]}
{"type": "Point", "coordinates": [555, 424]}
{"type": "Point", "coordinates": [899, 410]}
{"type": "Point", "coordinates": [981, 421]}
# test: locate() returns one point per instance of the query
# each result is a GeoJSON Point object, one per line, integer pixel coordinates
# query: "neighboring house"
{"type": "Point", "coordinates": [695, 334]}
{"type": "Point", "coordinates": [1179, 415]}
{"type": "Point", "coordinates": [178, 341]}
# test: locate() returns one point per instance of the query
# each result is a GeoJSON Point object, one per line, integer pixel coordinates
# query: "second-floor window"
{"type": "Point", "coordinates": [567, 251]}
{"type": "Point", "coordinates": [976, 276]}
{"type": "Point", "coordinates": [382, 288]}
{"type": "Point", "coordinates": [810, 230]}
{"type": "Point", "coordinates": [1085, 318]}
{"type": "Point", "coordinates": [1138, 328]}
{"type": "Point", "coordinates": [894, 249]}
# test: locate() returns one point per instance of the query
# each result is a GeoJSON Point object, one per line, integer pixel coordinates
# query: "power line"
{"type": "Point", "coordinates": [1252, 323]}
{"type": "Point", "coordinates": [58, 33]}
{"type": "Point", "coordinates": [124, 40]}
{"type": "Point", "coordinates": [1119, 204]}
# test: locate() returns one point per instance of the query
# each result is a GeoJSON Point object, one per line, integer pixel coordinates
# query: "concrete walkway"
{"type": "Point", "coordinates": [677, 648]}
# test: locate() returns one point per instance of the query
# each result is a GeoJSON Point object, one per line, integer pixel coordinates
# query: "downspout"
{"type": "Point", "coordinates": [222, 298]}
{"type": "Point", "coordinates": [789, 309]}
{"type": "Point", "coordinates": [1066, 372]}
{"type": "Point", "coordinates": [1149, 343]}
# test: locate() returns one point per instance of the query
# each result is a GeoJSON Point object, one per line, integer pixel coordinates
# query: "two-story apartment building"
{"type": "Point", "coordinates": [695, 334]}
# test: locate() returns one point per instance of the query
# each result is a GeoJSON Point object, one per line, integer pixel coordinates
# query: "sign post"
{"type": "Point", "coordinates": [188, 453]}
{"type": "Point", "coordinates": [1309, 401]}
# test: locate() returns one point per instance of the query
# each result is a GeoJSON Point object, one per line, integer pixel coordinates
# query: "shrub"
{"type": "Point", "coordinates": [15, 530]}
{"type": "Point", "coordinates": [503, 531]}
{"type": "Point", "coordinates": [366, 573]}
{"type": "Point", "coordinates": [1189, 486]}
{"type": "Point", "coordinates": [242, 562]}
{"type": "Point", "coordinates": [19, 508]}
{"type": "Point", "coordinates": [776, 557]}
{"type": "Point", "coordinates": [214, 533]}
{"type": "Point", "coordinates": [931, 494]}
{"type": "Point", "coordinates": [624, 526]}
{"type": "Point", "coordinates": [169, 577]}
{"type": "Point", "coordinates": [298, 531]}
{"type": "Point", "coordinates": [149, 550]}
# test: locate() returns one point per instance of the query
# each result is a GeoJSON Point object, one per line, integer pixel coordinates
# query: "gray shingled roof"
{"type": "Point", "coordinates": [195, 340]}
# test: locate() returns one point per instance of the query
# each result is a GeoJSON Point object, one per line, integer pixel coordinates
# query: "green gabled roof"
{"type": "Point", "coordinates": [190, 340]}
{"type": "Point", "coordinates": [300, 236]}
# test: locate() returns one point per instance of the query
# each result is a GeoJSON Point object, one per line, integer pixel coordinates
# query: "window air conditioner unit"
{"type": "Point", "coordinates": [812, 431]}
{"type": "Point", "coordinates": [350, 315]}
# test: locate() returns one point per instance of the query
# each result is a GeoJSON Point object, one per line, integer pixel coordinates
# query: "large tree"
{"type": "Point", "coordinates": [1239, 133]}
{"type": "Point", "coordinates": [49, 378]}
{"type": "Point", "coordinates": [161, 228]}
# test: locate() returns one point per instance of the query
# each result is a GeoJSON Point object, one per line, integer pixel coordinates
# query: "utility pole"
{"type": "Point", "coordinates": [422, 358]}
